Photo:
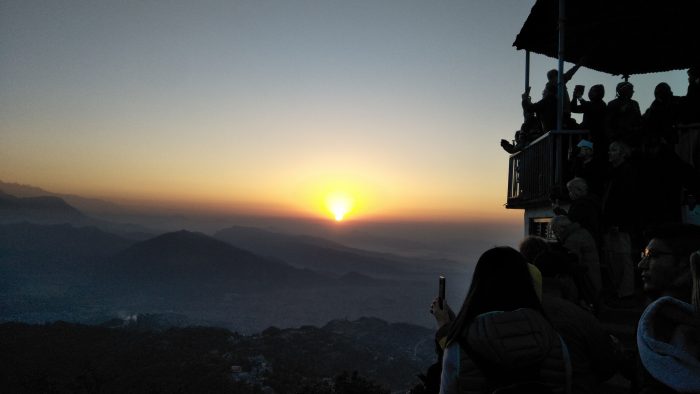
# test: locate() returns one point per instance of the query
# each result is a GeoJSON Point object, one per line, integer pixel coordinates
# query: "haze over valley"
{"type": "Point", "coordinates": [64, 262]}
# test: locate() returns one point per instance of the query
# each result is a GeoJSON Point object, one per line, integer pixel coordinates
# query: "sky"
{"type": "Point", "coordinates": [393, 109]}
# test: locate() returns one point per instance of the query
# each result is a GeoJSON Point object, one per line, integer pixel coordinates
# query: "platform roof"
{"type": "Point", "coordinates": [619, 37]}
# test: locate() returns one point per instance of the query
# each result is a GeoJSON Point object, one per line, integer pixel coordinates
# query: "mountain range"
{"type": "Point", "coordinates": [244, 278]}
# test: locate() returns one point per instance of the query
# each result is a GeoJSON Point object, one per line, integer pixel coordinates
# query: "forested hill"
{"type": "Point", "coordinates": [65, 357]}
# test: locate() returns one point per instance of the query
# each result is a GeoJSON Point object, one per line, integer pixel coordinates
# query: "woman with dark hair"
{"type": "Point", "coordinates": [500, 338]}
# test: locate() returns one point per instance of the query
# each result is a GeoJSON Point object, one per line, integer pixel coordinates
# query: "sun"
{"type": "Point", "coordinates": [339, 204]}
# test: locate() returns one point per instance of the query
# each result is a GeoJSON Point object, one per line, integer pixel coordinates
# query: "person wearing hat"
{"type": "Point", "coordinates": [589, 167]}
{"type": "Point", "coordinates": [624, 118]}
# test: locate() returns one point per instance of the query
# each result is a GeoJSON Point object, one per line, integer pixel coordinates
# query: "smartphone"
{"type": "Point", "coordinates": [441, 290]}
{"type": "Point", "coordinates": [578, 89]}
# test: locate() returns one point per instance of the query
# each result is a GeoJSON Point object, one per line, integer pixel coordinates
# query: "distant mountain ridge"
{"type": "Point", "coordinates": [327, 256]}
{"type": "Point", "coordinates": [189, 259]}
{"type": "Point", "coordinates": [44, 209]}
{"type": "Point", "coordinates": [90, 205]}
{"type": "Point", "coordinates": [54, 210]}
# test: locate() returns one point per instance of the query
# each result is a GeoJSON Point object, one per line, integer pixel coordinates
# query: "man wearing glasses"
{"type": "Point", "coordinates": [668, 334]}
{"type": "Point", "coordinates": [665, 263]}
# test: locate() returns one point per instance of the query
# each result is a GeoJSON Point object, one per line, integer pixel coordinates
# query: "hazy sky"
{"type": "Point", "coordinates": [270, 106]}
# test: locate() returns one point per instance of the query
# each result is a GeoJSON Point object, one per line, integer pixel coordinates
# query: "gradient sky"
{"type": "Point", "coordinates": [267, 106]}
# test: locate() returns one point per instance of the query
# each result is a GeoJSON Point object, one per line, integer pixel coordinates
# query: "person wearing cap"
{"type": "Point", "coordinates": [623, 118]}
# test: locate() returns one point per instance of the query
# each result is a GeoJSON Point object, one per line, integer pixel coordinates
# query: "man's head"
{"type": "Point", "coordinates": [625, 90]}
{"type": "Point", "coordinates": [596, 92]}
{"type": "Point", "coordinates": [665, 263]}
{"type": "Point", "coordinates": [585, 149]}
{"type": "Point", "coordinates": [663, 92]}
{"type": "Point", "coordinates": [577, 188]}
{"type": "Point", "coordinates": [560, 225]}
{"type": "Point", "coordinates": [532, 247]}
{"type": "Point", "coordinates": [618, 153]}
{"type": "Point", "coordinates": [552, 76]}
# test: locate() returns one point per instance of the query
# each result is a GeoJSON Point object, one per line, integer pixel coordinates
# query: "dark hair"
{"type": "Point", "coordinates": [533, 246]}
{"type": "Point", "coordinates": [501, 282]}
{"type": "Point", "coordinates": [682, 239]}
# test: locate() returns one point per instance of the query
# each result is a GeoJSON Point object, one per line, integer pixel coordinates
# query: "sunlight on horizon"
{"type": "Point", "coordinates": [339, 204]}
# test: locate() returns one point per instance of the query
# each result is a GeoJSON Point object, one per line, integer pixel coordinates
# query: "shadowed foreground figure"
{"type": "Point", "coordinates": [668, 335]}
{"type": "Point", "coordinates": [500, 339]}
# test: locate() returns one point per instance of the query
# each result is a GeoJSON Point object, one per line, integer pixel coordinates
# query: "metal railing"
{"type": "Point", "coordinates": [541, 168]}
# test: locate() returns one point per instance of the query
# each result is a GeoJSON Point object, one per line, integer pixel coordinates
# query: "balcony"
{"type": "Point", "coordinates": [541, 169]}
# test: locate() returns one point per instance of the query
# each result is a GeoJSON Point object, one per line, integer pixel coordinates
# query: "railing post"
{"type": "Point", "coordinates": [560, 79]}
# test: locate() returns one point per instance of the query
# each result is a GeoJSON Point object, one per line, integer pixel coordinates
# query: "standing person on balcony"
{"type": "Point", "coordinates": [672, 178]}
{"type": "Point", "coordinates": [620, 214]}
{"type": "Point", "coordinates": [690, 103]}
{"type": "Point", "coordinates": [589, 167]}
{"type": "Point", "coordinates": [688, 147]}
{"type": "Point", "coordinates": [553, 78]}
{"type": "Point", "coordinates": [594, 112]}
{"type": "Point", "coordinates": [545, 109]}
{"type": "Point", "coordinates": [623, 118]}
{"type": "Point", "coordinates": [660, 118]}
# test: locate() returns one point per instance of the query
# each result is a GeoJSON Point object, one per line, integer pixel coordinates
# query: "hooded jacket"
{"type": "Point", "coordinates": [498, 346]}
{"type": "Point", "coordinates": [668, 338]}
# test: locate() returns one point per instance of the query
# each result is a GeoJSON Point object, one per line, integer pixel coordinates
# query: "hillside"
{"type": "Point", "coordinates": [43, 209]}
{"type": "Point", "coordinates": [188, 260]}
{"type": "Point", "coordinates": [199, 359]}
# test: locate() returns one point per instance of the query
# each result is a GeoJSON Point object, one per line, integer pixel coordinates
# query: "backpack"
{"type": "Point", "coordinates": [527, 380]}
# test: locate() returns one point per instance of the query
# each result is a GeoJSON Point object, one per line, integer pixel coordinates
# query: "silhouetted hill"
{"type": "Point", "coordinates": [191, 260]}
{"type": "Point", "coordinates": [412, 341]}
{"type": "Point", "coordinates": [323, 255]}
{"type": "Point", "coordinates": [89, 205]}
{"type": "Point", "coordinates": [54, 210]}
{"type": "Point", "coordinates": [68, 358]}
{"type": "Point", "coordinates": [357, 279]}
{"type": "Point", "coordinates": [57, 243]}
{"type": "Point", "coordinates": [37, 209]}
{"type": "Point", "coordinates": [64, 357]}
{"type": "Point", "coordinates": [36, 257]}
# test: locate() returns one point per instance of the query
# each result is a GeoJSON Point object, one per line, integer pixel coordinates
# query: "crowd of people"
{"type": "Point", "coordinates": [518, 330]}
{"type": "Point", "coordinates": [620, 119]}
{"type": "Point", "coordinates": [529, 322]}
{"type": "Point", "coordinates": [625, 179]}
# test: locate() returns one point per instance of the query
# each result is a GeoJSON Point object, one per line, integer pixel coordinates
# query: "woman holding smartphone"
{"type": "Point", "coordinates": [500, 337]}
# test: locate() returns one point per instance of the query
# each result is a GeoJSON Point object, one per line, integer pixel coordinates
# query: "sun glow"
{"type": "Point", "coordinates": [339, 204]}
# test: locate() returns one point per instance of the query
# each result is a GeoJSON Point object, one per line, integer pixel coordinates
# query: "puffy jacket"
{"type": "Point", "coordinates": [500, 345]}
{"type": "Point", "coordinates": [668, 338]}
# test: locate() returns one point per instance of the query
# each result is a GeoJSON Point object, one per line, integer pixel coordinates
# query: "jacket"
{"type": "Point", "coordinates": [507, 343]}
{"type": "Point", "coordinates": [668, 338]}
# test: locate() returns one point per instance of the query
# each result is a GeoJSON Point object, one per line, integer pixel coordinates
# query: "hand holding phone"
{"type": "Point", "coordinates": [578, 91]}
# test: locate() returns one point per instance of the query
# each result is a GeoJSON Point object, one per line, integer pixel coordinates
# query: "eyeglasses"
{"type": "Point", "coordinates": [651, 253]}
